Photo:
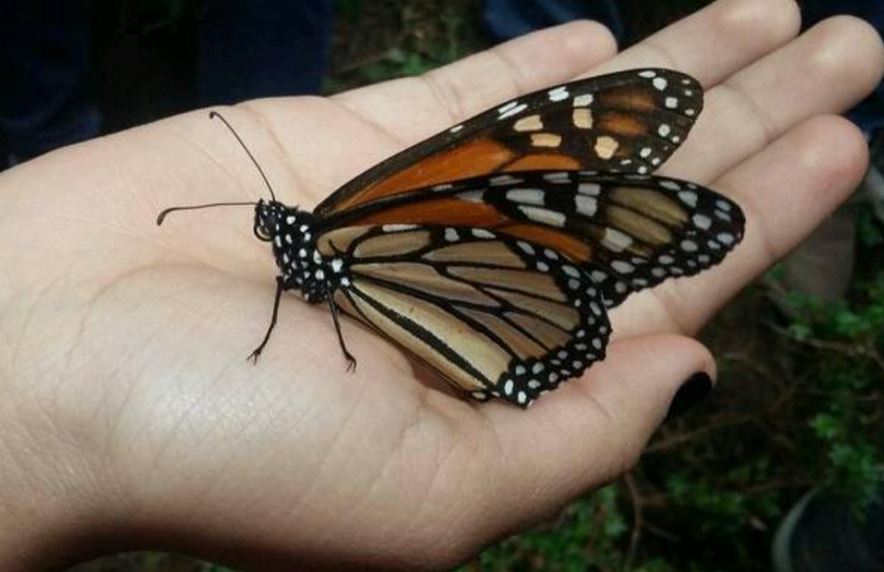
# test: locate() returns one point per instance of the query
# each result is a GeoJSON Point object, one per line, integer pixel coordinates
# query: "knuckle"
{"type": "Point", "coordinates": [776, 19]}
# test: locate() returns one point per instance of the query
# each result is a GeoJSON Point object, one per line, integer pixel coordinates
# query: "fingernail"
{"type": "Point", "coordinates": [689, 394]}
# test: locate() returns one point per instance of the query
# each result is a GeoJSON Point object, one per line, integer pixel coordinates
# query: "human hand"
{"type": "Point", "coordinates": [131, 418]}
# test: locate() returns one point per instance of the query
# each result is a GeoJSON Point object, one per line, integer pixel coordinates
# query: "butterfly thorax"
{"type": "Point", "coordinates": [302, 267]}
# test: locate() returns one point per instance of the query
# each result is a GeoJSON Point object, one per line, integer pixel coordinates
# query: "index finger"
{"type": "Point", "coordinates": [738, 32]}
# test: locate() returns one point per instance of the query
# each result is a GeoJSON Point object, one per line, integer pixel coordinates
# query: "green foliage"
{"type": "Point", "coordinates": [585, 537]}
{"type": "Point", "coordinates": [419, 36]}
{"type": "Point", "coordinates": [849, 371]}
{"type": "Point", "coordinates": [868, 228]}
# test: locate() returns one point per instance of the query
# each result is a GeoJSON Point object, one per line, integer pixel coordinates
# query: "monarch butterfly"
{"type": "Point", "coordinates": [493, 250]}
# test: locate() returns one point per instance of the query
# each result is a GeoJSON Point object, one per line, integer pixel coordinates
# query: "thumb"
{"type": "Point", "coordinates": [592, 430]}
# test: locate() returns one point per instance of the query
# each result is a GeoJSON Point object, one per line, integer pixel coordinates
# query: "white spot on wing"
{"type": "Point", "coordinates": [616, 240]}
{"type": "Point", "coordinates": [562, 177]}
{"type": "Point", "coordinates": [587, 206]}
{"type": "Point", "coordinates": [606, 146]}
{"type": "Point", "coordinates": [725, 238]}
{"type": "Point", "coordinates": [472, 196]}
{"type": "Point", "coordinates": [571, 271]}
{"type": "Point", "coordinates": [688, 197]}
{"type": "Point", "coordinates": [544, 216]}
{"type": "Point", "coordinates": [582, 118]}
{"type": "Point", "coordinates": [583, 100]}
{"type": "Point", "coordinates": [530, 123]}
{"type": "Point", "coordinates": [514, 111]}
{"type": "Point", "coordinates": [398, 227]}
{"type": "Point", "coordinates": [558, 94]}
{"type": "Point", "coordinates": [526, 196]}
{"type": "Point", "coordinates": [590, 189]}
{"type": "Point", "coordinates": [702, 221]}
{"type": "Point", "coordinates": [503, 180]}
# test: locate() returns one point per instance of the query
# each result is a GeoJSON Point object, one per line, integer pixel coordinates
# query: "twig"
{"type": "Point", "coordinates": [637, 520]}
{"type": "Point", "coordinates": [839, 347]}
{"type": "Point", "coordinates": [666, 444]}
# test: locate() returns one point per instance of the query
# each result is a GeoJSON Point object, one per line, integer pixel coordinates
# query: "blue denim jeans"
{"type": "Point", "coordinates": [506, 19]}
{"type": "Point", "coordinates": [262, 48]}
{"type": "Point", "coordinates": [45, 99]}
{"type": "Point", "coordinates": [245, 49]}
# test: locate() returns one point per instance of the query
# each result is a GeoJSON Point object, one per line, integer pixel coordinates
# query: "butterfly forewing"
{"type": "Point", "coordinates": [494, 315]}
{"type": "Point", "coordinates": [626, 122]}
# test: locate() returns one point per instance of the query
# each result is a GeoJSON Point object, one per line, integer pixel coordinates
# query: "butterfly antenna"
{"type": "Point", "coordinates": [213, 114]}
{"type": "Point", "coordinates": [162, 215]}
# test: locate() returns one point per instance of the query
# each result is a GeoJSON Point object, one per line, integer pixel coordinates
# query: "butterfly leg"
{"type": "Point", "coordinates": [279, 288]}
{"type": "Point", "coordinates": [351, 361]}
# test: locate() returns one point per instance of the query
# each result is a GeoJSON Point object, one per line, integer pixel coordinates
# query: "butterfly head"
{"type": "Point", "coordinates": [267, 219]}
{"type": "Point", "coordinates": [274, 219]}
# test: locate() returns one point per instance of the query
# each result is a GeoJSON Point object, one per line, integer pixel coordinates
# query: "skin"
{"type": "Point", "coordinates": [131, 419]}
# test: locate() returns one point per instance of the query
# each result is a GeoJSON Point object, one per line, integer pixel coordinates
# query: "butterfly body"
{"type": "Point", "coordinates": [493, 250]}
{"type": "Point", "coordinates": [301, 266]}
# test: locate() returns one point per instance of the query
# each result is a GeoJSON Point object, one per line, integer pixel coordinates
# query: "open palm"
{"type": "Point", "coordinates": [123, 344]}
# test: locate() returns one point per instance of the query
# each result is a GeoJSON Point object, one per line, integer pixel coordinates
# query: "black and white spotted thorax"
{"type": "Point", "coordinates": [300, 263]}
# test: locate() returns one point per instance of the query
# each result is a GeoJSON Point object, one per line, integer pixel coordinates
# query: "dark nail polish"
{"type": "Point", "coordinates": [691, 391]}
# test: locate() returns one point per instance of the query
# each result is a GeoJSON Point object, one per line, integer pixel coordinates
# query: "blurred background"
{"type": "Point", "coordinates": [782, 467]}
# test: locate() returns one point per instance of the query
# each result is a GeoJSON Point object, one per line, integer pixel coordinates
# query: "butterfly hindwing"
{"type": "Point", "coordinates": [628, 122]}
{"type": "Point", "coordinates": [496, 316]}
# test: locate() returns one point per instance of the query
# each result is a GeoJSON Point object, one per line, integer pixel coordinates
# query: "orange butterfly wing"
{"type": "Point", "coordinates": [627, 122]}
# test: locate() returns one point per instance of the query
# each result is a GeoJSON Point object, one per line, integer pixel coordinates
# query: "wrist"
{"type": "Point", "coordinates": [48, 498]}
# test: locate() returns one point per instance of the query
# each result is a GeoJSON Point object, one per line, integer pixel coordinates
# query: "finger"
{"type": "Point", "coordinates": [785, 192]}
{"type": "Point", "coordinates": [826, 70]}
{"type": "Point", "coordinates": [740, 30]}
{"type": "Point", "coordinates": [590, 430]}
{"type": "Point", "coordinates": [714, 42]}
{"type": "Point", "coordinates": [416, 107]}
